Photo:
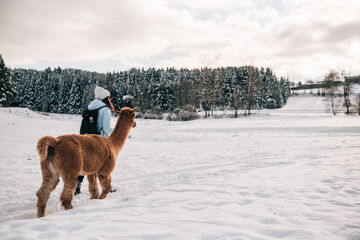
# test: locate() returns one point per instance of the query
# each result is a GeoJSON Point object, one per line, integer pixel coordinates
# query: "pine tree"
{"type": "Point", "coordinates": [46, 87]}
{"type": "Point", "coordinates": [285, 89]}
{"type": "Point", "coordinates": [64, 91]}
{"type": "Point", "coordinates": [34, 90]}
{"type": "Point", "coordinates": [54, 79]}
{"type": "Point", "coordinates": [20, 78]}
{"type": "Point", "coordinates": [7, 86]}
{"type": "Point", "coordinates": [76, 102]}
{"type": "Point", "coordinates": [273, 97]}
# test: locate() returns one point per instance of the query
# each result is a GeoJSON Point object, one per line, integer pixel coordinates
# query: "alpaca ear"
{"type": "Point", "coordinates": [136, 109]}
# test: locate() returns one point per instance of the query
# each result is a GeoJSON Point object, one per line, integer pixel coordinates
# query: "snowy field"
{"type": "Point", "coordinates": [292, 173]}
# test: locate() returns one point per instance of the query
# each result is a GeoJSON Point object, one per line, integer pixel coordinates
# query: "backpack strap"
{"type": "Point", "coordinates": [101, 107]}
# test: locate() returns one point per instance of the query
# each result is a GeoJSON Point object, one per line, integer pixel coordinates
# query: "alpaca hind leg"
{"type": "Point", "coordinates": [68, 192]}
{"type": "Point", "coordinates": [93, 186]}
{"type": "Point", "coordinates": [49, 183]}
{"type": "Point", "coordinates": [105, 182]}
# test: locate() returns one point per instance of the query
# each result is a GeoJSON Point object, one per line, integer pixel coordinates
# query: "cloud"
{"type": "Point", "coordinates": [300, 39]}
{"type": "Point", "coordinates": [344, 32]}
{"type": "Point", "coordinates": [214, 4]}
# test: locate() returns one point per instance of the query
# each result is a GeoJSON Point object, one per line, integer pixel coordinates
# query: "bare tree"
{"type": "Point", "coordinates": [331, 83]}
{"type": "Point", "coordinates": [252, 85]}
{"type": "Point", "coordinates": [356, 106]}
{"type": "Point", "coordinates": [347, 92]}
{"type": "Point", "coordinates": [239, 101]}
{"type": "Point", "coordinates": [206, 90]}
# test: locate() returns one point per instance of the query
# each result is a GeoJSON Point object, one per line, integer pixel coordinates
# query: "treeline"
{"type": "Point", "coordinates": [163, 90]}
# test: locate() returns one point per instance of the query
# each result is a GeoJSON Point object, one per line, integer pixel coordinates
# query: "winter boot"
{"type": "Point", "coordinates": [78, 187]}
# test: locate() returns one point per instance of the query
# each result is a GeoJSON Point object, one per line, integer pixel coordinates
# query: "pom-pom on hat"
{"type": "Point", "coordinates": [101, 93]}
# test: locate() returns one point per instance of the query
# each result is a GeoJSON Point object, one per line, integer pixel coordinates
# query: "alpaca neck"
{"type": "Point", "coordinates": [120, 133]}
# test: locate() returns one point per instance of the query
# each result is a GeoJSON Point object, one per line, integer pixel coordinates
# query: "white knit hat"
{"type": "Point", "coordinates": [101, 93]}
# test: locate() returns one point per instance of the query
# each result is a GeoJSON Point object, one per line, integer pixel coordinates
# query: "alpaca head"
{"type": "Point", "coordinates": [128, 113]}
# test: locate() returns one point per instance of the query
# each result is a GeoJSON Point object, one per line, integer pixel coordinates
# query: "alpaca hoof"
{"type": "Point", "coordinates": [41, 212]}
{"type": "Point", "coordinates": [67, 205]}
{"type": "Point", "coordinates": [94, 197]}
{"type": "Point", "coordinates": [102, 196]}
{"type": "Point", "coordinates": [114, 190]}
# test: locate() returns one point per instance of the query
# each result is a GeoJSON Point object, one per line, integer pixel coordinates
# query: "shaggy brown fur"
{"type": "Point", "coordinates": [69, 156]}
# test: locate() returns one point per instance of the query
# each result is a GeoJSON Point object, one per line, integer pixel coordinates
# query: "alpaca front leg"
{"type": "Point", "coordinates": [105, 182]}
{"type": "Point", "coordinates": [68, 192]}
{"type": "Point", "coordinates": [43, 194]}
{"type": "Point", "coordinates": [93, 186]}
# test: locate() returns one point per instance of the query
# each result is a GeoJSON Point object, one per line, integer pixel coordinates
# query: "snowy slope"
{"type": "Point", "coordinates": [302, 105]}
{"type": "Point", "coordinates": [291, 173]}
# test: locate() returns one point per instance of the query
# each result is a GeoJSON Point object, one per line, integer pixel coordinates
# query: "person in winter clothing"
{"type": "Point", "coordinates": [102, 98]}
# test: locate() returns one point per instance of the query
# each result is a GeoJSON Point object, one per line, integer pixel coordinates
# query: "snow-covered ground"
{"type": "Point", "coordinates": [292, 173]}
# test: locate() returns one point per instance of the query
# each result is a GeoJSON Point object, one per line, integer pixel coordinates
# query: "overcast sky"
{"type": "Point", "coordinates": [300, 39]}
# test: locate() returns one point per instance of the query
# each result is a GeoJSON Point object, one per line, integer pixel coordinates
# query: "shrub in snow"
{"type": "Point", "coordinates": [189, 108]}
{"type": "Point", "coordinates": [186, 113]}
{"type": "Point", "coordinates": [151, 114]}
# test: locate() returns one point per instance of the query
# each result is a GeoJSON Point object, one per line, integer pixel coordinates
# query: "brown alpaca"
{"type": "Point", "coordinates": [69, 156]}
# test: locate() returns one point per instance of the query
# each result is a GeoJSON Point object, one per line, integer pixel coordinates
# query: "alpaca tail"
{"type": "Point", "coordinates": [45, 147]}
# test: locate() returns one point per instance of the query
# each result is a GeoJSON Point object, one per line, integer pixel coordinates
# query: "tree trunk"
{"type": "Point", "coordinates": [333, 106]}
{"type": "Point", "coordinates": [347, 98]}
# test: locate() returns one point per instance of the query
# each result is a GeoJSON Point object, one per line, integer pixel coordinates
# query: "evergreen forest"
{"type": "Point", "coordinates": [153, 90]}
